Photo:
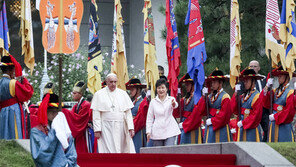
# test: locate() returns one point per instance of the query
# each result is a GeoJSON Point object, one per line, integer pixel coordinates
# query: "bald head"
{"type": "Point", "coordinates": [254, 64]}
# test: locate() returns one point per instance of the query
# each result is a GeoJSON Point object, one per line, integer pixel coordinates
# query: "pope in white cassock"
{"type": "Point", "coordinates": [112, 118]}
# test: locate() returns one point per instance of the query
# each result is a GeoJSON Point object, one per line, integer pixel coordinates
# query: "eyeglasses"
{"type": "Point", "coordinates": [253, 66]}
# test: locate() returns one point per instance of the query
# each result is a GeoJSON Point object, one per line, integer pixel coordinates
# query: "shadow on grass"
{"type": "Point", "coordinates": [286, 149]}
{"type": "Point", "coordinates": [11, 154]}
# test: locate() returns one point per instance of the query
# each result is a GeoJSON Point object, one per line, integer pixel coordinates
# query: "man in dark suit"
{"type": "Point", "coordinates": [260, 84]}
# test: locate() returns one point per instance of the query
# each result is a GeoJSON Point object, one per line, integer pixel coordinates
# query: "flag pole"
{"type": "Point", "coordinates": [60, 81]}
{"type": "Point", "coordinates": [270, 88]}
{"type": "Point", "coordinates": [238, 102]}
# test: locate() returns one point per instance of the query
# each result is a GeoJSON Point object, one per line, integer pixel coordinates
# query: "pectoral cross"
{"type": "Point", "coordinates": [112, 107]}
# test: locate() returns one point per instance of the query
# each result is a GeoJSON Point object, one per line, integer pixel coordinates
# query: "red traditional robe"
{"type": "Point", "coordinates": [287, 114]}
{"type": "Point", "coordinates": [253, 119]}
{"type": "Point", "coordinates": [78, 122]}
{"type": "Point", "coordinates": [140, 119]}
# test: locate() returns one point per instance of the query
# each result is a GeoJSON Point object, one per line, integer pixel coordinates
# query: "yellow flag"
{"type": "Point", "coordinates": [235, 43]}
{"type": "Point", "coordinates": [151, 68]}
{"type": "Point", "coordinates": [118, 61]}
{"type": "Point", "coordinates": [26, 32]}
{"type": "Point", "coordinates": [288, 34]}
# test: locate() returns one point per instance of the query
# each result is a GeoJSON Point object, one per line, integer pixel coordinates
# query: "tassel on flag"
{"type": "Point", "coordinates": [235, 43]}
{"type": "Point", "coordinates": [26, 31]}
{"type": "Point", "coordinates": [196, 55]}
{"type": "Point", "coordinates": [172, 48]}
{"type": "Point", "coordinates": [94, 66]}
{"type": "Point", "coordinates": [151, 68]}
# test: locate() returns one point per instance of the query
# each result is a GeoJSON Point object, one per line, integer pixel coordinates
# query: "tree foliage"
{"type": "Point", "coordinates": [216, 23]}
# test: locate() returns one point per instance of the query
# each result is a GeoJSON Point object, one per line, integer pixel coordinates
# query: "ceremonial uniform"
{"type": "Point", "coordinates": [52, 145]}
{"type": "Point", "coordinates": [280, 129]}
{"type": "Point", "coordinates": [13, 93]}
{"type": "Point", "coordinates": [188, 135]}
{"type": "Point", "coordinates": [251, 109]}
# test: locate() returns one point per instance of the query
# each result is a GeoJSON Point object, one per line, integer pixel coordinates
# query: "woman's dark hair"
{"type": "Point", "coordinates": [159, 82]}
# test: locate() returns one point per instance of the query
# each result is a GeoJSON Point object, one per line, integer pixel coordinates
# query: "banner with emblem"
{"type": "Point", "coordinates": [196, 55]}
{"type": "Point", "coordinates": [118, 60]}
{"type": "Point", "coordinates": [288, 34]}
{"type": "Point", "coordinates": [235, 43]}
{"type": "Point", "coordinates": [4, 34]}
{"type": "Point", "coordinates": [61, 22]}
{"type": "Point", "coordinates": [26, 32]}
{"type": "Point", "coordinates": [272, 37]}
{"type": "Point", "coordinates": [172, 48]}
{"type": "Point", "coordinates": [151, 68]}
{"type": "Point", "coordinates": [94, 66]}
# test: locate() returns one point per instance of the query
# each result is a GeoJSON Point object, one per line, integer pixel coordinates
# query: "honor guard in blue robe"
{"type": "Point", "coordinates": [280, 125]}
{"type": "Point", "coordinates": [189, 134]}
{"type": "Point", "coordinates": [135, 87]}
{"type": "Point", "coordinates": [51, 142]}
{"type": "Point", "coordinates": [251, 107]}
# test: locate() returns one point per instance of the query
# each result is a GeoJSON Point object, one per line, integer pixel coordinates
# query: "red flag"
{"type": "Point", "coordinates": [172, 47]}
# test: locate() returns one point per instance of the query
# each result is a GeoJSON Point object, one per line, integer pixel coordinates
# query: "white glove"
{"type": "Point", "coordinates": [239, 124]}
{"type": "Point", "coordinates": [181, 125]}
{"type": "Point", "coordinates": [179, 90]}
{"type": "Point", "coordinates": [209, 122]}
{"type": "Point", "coordinates": [148, 93]}
{"type": "Point", "coordinates": [233, 130]}
{"type": "Point", "coordinates": [237, 87]}
{"type": "Point", "coordinates": [294, 85]}
{"type": "Point", "coordinates": [269, 82]}
{"type": "Point", "coordinates": [204, 91]}
{"type": "Point", "coordinates": [271, 117]}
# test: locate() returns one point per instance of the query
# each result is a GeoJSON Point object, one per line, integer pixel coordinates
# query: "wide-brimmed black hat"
{"type": "Point", "coordinates": [249, 73]}
{"type": "Point", "coordinates": [134, 82]}
{"type": "Point", "coordinates": [280, 71]}
{"type": "Point", "coordinates": [217, 75]}
{"type": "Point", "coordinates": [6, 61]}
{"type": "Point", "coordinates": [185, 78]}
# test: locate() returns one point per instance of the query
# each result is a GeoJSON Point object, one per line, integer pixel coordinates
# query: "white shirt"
{"type": "Point", "coordinates": [160, 121]}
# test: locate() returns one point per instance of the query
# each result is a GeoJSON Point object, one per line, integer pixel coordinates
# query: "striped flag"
{"type": "Point", "coordinates": [4, 34]}
{"type": "Point", "coordinates": [235, 43]}
{"type": "Point", "coordinates": [94, 66]}
{"type": "Point", "coordinates": [172, 48]}
{"type": "Point", "coordinates": [272, 38]}
{"type": "Point", "coordinates": [288, 33]}
{"type": "Point", "coordinates": [26, 31]}
{"type": "Point", "coordinates": [151, 68]}
{"type": "Point", "coordinates": [196, 55]}
{"type": "Point", "coordinates": [118, 60]}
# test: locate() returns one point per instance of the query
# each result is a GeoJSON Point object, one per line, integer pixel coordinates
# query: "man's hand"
{"type": "Point", "coordinates": [239, 124]}
{"type": "Point", "coordinates": [148, 137]}
{"type": "Point", "coordinates": [173, 103]}
{"type": "Point", "coordinates": [132, 133]}
{"type": "Point", "coordinates": [209, 121]}
{"type": "Point", "coordinates": [98, 134]}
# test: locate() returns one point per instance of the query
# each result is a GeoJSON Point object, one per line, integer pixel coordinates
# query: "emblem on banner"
{"type": "Point", "coordinates": [61, 22]}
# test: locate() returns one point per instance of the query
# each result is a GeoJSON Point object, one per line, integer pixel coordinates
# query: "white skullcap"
{"type": "Point", "coordinates": [111, 75]}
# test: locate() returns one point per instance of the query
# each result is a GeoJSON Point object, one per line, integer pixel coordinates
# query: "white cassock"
{"type": "Point", "coordinates": [112, 116]}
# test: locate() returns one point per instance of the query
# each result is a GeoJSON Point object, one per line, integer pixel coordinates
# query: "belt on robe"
{"type": "Point", "coordinates": [278, 108]}
{"type": "Point", "coordinates": [8, 102]}
{"type": "Point", "coordinates": [186, 114]}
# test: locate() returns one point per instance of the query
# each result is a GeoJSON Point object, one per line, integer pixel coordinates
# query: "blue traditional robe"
{"type": "Point", "coordinates": [12, 117]}
{"type": "Point", "coordinates": [220, 115]}
{"type": "Point", "coordinates": [140, 137]}
{"type": "Point", "coordinates": [47, 151]}
{"type": "Point", "coordinates": [252, 133]}
{"type": "Point", "coordinates": [193, 136]}
{"type": "Point", "coordinates": [281, 129]}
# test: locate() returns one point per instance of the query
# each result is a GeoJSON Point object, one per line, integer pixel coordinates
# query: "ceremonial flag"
{"type": "Point", "coordinates": [151, 68]}
{"type": "Point", "coordinates": [94, 66]}
{"type": "Point", "coordinates": [196, 55]}
{"type": "Point", "coordinates": [288, 33]}
{"type": "Point", "coordinates": [4, 34]}
{"type": "Point", "coordinates": [172, 48]}
{"type": "Point", "coordinates": [272, 38]}
{"type": "Point", "coordinates": [118, 60]}
{"type": "Point", "coordinates": [26, 31]}
{"type": "Point", "coordinates": [235, 43]}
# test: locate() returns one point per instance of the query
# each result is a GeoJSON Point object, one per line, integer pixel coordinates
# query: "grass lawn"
{"type": "Point", "coordinates": [11, 154]}
{"type": "Point", "coordinates": [288, 150]}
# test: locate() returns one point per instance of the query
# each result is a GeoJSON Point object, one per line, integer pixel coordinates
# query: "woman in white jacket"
{"type": "Point", "coordinates": [161, 126]}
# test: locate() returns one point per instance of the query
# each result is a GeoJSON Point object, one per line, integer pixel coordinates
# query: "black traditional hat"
{"type": "Point", "coordinates": [80, 87]}
{"type": "Point", "coordinates": [280, 71]}
{"type": "Point", "coordinates": [249, 73]}
{"type": "Point", "coordinates": [48, 86]}
{"type": "Point", "coordinates": [6, 61]}
{"type": "Point", "coordinates": [134, 82]}
{"type": "Point", "coordinates": [185, 78]}
{"type": "Point", "coordinates": [217, 75]}
{"type": "Point", "coordinates": [104, 84]}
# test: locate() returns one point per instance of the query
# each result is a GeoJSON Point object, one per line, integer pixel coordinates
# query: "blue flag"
{"type": "Point", "coordinates": [4, 34]}
{"type": "Point", "coordinates": [196, 55]}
